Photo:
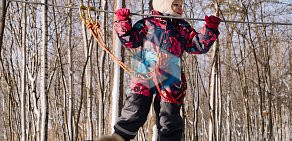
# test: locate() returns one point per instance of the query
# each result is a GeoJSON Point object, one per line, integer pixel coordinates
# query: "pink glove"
{"type": "Point", "coordinates": [122, 14]}
{"type": "Point", "coordinates": [212, 21]}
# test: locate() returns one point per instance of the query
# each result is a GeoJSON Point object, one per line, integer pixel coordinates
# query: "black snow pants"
{"type": "Point", "coordinates": [134, 115]}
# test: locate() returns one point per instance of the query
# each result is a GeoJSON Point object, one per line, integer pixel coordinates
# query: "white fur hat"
{"type": "Point", "coordinates": [164, 6]}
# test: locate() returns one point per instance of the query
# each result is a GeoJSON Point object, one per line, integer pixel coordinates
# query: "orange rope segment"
{"type": "Point", "coordinates": [94, 28]}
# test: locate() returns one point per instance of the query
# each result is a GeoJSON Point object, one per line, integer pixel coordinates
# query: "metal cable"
{"type": "Point", "coordinates": [106, 11]}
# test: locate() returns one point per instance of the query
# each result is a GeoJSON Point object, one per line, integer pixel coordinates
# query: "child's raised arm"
{"type": "Point", "coordinates": [130, 37]}
{"type": "Point", "coordinates": [200, 43]}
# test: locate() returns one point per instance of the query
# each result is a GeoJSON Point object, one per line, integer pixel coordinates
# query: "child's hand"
{"type": "Point", "coordinates": [121, 27]}
{"type": "Point", "coordinates": [122, 14]}
{"type": "Point", "coordinates": [212, 21]}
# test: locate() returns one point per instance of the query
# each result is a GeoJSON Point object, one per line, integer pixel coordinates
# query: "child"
{"type": "Point", "coordinates": [162, 42]}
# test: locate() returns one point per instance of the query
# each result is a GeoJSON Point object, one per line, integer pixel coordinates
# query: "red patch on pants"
{"type": "Point", "coordinates": [140, 87]}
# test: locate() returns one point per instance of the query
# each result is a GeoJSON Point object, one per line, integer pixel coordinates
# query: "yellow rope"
{"type": "Point", "coordinates": [94, 28]}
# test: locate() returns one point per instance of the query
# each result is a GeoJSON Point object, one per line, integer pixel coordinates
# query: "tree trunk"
{"type": "Point", "coordinates": [2, 23]}
{"type": "Point", "coordinates": [196, 105]}
{"type": "Point", "coordinates": [36, 110]}
{"type": "Point", "coordinates": [214, 93]}
{"type": "Point", "coordinates": [23, 75]}
{"type": "Point", "coordinates": [71, 74]}
{"type": "Point", "coordinates": [88, 85]}
{"type": "Point", "coordinates": [214, 89]}
{"type": "Point", "coordinates": [43, 81]}
{"type": "Point", "coordinates": [104, 19]}
{"type": "Point", "coordinates": [116, 91]}
{"type": "Point", "coordinates": [229, 84]}
{"type": "Point", "coordinates": [259, 81]}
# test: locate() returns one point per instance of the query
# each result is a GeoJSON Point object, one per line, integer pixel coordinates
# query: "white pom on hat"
{"type": "Point", "coordinates": [164, 6]}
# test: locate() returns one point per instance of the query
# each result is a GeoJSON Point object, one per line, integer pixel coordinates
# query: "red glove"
{"type": "Point", "coordinates": [122, 14]}
{"type": "Point", "coordinates": [121, 27]}
{"type": "Point", "coordinates": [212, 21]}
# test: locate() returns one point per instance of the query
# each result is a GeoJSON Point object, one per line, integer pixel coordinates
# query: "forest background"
{"type": "Point", "coordinates": [56, 82]}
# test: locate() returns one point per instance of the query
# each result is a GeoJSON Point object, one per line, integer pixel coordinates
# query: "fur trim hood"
{"type": "Point", "coordinates": [164, 6]}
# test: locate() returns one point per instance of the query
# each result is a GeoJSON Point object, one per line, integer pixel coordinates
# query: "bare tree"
{"type": "Point", "coordinates": [101, 71]}
{"type": "Point", "coordinates": [117, 74]}
{"type": "Point", "coordinates": [88, 84]}
{"type": "Point", "coordinates": [71, 77]}
{"type": "Point", "coordinates": [43, 84]}
{"type": "Point", "coordinates": [23, 75]}
{"type": "Point", "coordinates": [2, 22]}
{"type": "Point", "coordinates": [249, 99]}
{"type": "Point", "coordinates": [215, 92]}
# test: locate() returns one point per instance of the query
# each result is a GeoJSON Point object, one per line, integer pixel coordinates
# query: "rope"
{"type": "Point", "coordinates": [93, 27]}
{"type": "Point", "coordinates": [106, 11]}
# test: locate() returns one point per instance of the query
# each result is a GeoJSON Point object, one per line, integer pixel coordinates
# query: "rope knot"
{"type": "Point", "coordinates": [96, 26]}
{"type": "Point", "coordinates": [89, 25]}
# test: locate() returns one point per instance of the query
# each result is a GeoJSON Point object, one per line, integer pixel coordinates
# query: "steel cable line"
{"type": "Point", "coordinates": [106, 11]}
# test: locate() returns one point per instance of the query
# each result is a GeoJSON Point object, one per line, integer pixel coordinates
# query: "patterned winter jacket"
{"type": "Point", "coordinates": [172, 37]}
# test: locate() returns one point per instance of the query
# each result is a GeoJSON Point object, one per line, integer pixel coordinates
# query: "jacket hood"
{"type": "Point", "coordinates": [164, 6]}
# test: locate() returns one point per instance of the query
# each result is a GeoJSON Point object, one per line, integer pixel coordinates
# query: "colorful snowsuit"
{"type": "Point", "coordinates": [171, 37]}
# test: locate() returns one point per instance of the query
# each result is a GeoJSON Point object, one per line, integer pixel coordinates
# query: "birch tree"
{"type": "Point", "coordinates": [71, 74]}
{"type": "Point", "coordinates": [214, 88]}
{"type": "Point", "coordinates": [43, 84]}
{"type": "Point", "coordinates": [88, 84]}
{"type": "Point", "coordinates": [32, 71]}
{"type": "Point", "coordinates": [101, 66]}
{"type": "Point", "coordinates": [117, 73]}
{"type": "Point", "coordinates": [23, 75]}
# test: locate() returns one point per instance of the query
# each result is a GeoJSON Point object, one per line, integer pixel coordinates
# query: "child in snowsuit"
{"type": "Point", "coordinates": [162, 42]}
